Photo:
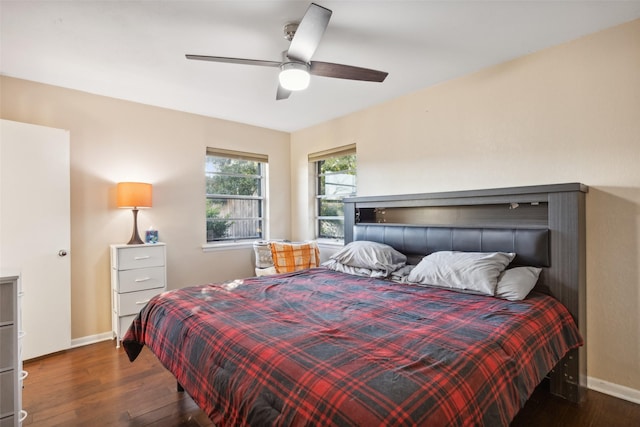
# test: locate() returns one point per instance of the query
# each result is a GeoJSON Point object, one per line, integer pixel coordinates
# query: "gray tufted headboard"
{"type": "Point", "coordinates": [530, 245]}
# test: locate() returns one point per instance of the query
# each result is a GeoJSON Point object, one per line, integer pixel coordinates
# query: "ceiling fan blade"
{"type": "Point", "coordinates": [341, 71]}
{"type": "Point", "coordinates": [235, 60]}
{"type": "Point", "coordinates": [282, 93]}
{"type": "Point", "coordinates": [309, 32]}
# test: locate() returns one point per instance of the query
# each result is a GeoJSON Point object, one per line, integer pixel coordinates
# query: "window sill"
{"type": "Point", "coordinates": [213, 247]}
{"type": "Point", "coordinates": [330, 243]}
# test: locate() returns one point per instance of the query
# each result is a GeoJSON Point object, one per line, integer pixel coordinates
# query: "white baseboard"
{"type": "Point", "coordinates": [91, 339]}
{"type": "Point", "coordinates": [615, 390]}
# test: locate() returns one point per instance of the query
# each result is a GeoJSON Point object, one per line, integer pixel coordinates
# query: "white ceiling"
{"type": "Point", "coordinates": [134, 50]}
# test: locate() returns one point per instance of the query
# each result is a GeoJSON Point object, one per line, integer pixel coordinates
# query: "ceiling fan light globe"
{"type": "Point", "coordinates": [294, 76]}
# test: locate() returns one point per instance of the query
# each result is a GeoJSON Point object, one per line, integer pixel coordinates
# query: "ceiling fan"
{"type": "Point", "coordinates": [296, 65]}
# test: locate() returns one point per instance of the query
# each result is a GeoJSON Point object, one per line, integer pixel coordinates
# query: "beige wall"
{"type": "Point", "coordinates": [566, 114]}
{"type": "Point", "coordinates": [114, 140]}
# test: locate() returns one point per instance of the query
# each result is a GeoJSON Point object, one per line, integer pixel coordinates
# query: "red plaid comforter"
{"type": "Point", "coordinates": [318, 347]}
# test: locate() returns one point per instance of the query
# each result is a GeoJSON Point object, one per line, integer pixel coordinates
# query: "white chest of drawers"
{"type": "Point", "coordinates": [11, 373]}
{"type": "Point", "coordinates": [138, 273]}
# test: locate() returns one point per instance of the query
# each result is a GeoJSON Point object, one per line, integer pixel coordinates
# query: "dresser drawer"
{"type": "Point", "coordinates": [7, 347]}
{"type": "Point", "coordinates": [139, 257]}
{"type": "Point", "coordinates": [133, 302]}
{"type": "Point", "coordinates": [7, 381]}
{"type": "Point", "coordinates": [140, 279]}
{"type": "Point", "coordinates": [124, 323]}
{"type": "Point", "coordinates": [7, 301]}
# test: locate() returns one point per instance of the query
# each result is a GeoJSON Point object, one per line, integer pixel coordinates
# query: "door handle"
{"type": "Point", "coordinates": [62, 252]}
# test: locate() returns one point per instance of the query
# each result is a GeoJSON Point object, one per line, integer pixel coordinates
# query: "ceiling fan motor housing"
{"type": "Point", "coordinates": [290, 30]}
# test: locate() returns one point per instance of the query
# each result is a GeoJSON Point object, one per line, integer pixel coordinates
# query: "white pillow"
{"type": "Point", "coordinates": [475, 272]}
{"type": "Point", "coordinates": [516, 283]}
{"type": "Point", "coordinates": [371, 255]}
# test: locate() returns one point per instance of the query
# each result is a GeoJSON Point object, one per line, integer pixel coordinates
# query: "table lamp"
{"type": "Point", "coordinates": [134, 195]}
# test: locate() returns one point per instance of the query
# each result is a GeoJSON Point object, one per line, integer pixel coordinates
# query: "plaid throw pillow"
{"type": "Point", "coordinates": [294, 256]}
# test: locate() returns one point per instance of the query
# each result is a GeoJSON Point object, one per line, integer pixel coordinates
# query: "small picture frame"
{"type": "Point", "coordinates": [151, 236]}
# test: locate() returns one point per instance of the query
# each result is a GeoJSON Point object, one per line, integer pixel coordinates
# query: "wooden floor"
{"type": "Point", "coordinates": [96, 385]}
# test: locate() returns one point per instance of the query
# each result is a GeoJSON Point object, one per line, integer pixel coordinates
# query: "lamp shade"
{"type": "Point", "coordinates": [134, 195]}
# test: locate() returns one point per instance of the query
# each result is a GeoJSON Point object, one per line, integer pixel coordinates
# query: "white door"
{"type": "Point", "coordinates": [35, 230]}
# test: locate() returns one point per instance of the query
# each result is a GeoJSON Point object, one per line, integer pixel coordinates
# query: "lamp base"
{"type": "Point", "coordinates": [135, 237]}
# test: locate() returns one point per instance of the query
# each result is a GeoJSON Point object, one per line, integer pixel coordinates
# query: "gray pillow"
{"type": "Point", "coordinates": [371, 255]}
{"type": "Point", "coordinates": [475, 272]}
{"type": "Point", "coordinates": [516, 283]}
{"type": "Point", "coordinates": [332, 264]}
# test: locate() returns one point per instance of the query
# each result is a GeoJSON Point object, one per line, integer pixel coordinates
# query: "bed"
{"type": "Point", "coordinates": [323, 347]}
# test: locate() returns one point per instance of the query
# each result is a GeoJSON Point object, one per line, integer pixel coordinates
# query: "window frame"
{"type": "Point", "coordinates": [316, 159]}
{"type": "Point", "coordinates": [263, 164]}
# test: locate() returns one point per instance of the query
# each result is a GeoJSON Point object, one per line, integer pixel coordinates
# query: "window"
{"type": "Point", "coordinates": [335, 176]}
{"type": "Point", "coordinates": [235, 195]}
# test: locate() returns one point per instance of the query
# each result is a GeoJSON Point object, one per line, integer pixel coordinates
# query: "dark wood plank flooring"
{"type": "Point", "coordinates": [96, 385]}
